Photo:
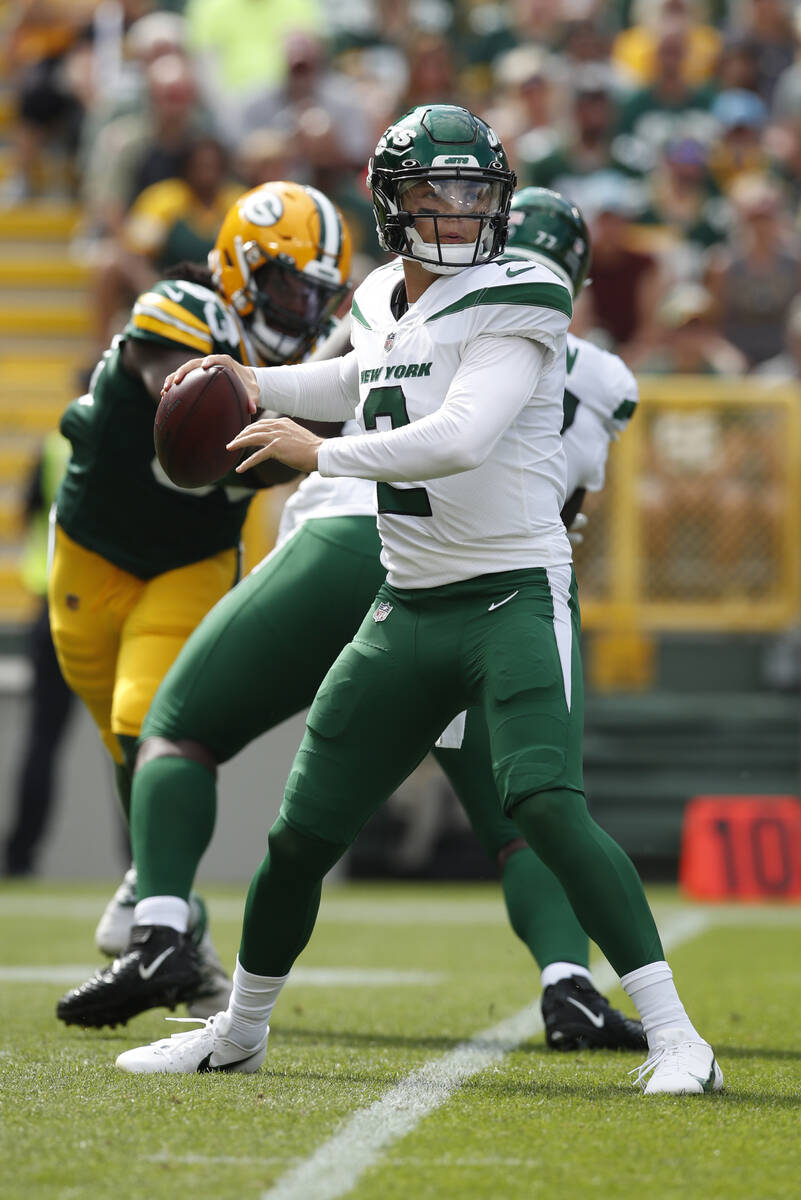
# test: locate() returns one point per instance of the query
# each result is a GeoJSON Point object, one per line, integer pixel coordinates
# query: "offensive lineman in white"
{"type": "Point", "coordinates": [457, 376]}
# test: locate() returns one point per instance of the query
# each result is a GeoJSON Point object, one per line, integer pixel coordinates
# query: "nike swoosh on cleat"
{"type": "Point", "coordinates": [708, 1084]}
{"type": "Point", "coordinates": [151, 968]}
{"type": "Point", "coordinates": [205, 1064]}
{"type": "Point", "coordinates": [492, 607]}
{"type": "Point", "coordinates": [596, 1018]}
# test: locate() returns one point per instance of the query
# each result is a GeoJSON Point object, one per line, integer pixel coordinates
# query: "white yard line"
{"type": "Point", "coordinates": [301, 976]}
{"type": "Point", "coordinates": [335, 1168]}
{"type": "Point", "coordinates": [334, 910]}
{"type": "Point", "coordinates": [356, 910]}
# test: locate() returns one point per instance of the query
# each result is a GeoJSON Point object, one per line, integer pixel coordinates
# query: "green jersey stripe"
{"type": "Point", "coordinates": [534, 295]}
{"type": "Point", "coordinates": [624, 410]}
{"type": "Point", "coordinates": [358, 315]}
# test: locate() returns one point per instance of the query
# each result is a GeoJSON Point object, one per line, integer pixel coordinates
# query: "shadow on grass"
{"type": "Point", "coordinates": [399, 1040]}
{"type": "Point", "coordinates": [587, 1089]}
{"type": "Point", "coordinates": [489, 1087]}
{"type": "Point", "coordinates": [722, 1050]}
{"type": "Point", "coordinates": [538, 1048]}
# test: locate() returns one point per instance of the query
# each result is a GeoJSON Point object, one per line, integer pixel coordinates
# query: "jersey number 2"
{"type": "Point", "coordinates": [406, 502]}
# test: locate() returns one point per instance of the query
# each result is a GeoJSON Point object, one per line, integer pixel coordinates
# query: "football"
{"type": "Point", "coordinates": [194, 421]}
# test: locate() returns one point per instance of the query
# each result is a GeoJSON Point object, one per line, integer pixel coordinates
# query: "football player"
{"type": "Point", "coordinates": [457, 377]}
{"type": "Point", "coordinates": [138, 561]}
{"type": "Point", "coordinates": [215, 700]}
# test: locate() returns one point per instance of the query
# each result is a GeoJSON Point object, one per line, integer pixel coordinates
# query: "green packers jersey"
{"type": "Point", "coordinates": [115, 498]}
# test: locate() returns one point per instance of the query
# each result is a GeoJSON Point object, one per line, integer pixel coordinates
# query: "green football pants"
{"type": "Point", "coordinates": [507, 643]}
{"type": "Point", "coordinates": [261, 654]}
{"type": "Point", "coordinates": [258, 658]}
{"type": "Point", "coordinates": [420, 658]}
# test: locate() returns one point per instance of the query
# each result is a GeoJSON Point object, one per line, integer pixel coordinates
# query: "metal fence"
{"type": "Point", "coordinates": [699, 525]}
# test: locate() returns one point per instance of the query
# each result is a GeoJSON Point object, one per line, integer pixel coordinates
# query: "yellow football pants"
{"type": "Point", "coordinates": [116, 635]}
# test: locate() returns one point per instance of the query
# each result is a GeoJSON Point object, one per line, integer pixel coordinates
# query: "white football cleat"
{"type": "Point", "coordinates": [114, 927]}
{"type": "Point", "coordinates": [679, 1067]}
{"type": "Point", "coordinates": [206, 1049]}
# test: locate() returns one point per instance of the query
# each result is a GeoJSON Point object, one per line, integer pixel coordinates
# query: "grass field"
{"type": "Point", "coordinates": [406, 1060]}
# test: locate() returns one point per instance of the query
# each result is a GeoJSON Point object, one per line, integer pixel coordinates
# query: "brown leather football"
{"type": "Point", "coordinates": [195, 420]}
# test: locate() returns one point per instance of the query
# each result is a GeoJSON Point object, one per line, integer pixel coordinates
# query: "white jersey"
{"type": "Point", "coordinates": [600, 397]}
{"type": "Point", "coordinates": [338, 497]}
{"type": "Point", "coordinates": [502, 513]}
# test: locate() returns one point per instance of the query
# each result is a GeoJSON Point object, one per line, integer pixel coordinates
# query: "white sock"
{"type": "Point", "coordinates": [163, 910]}
{"type": "Point", "coordinates": [252, 1001]}
{"type": "Point", "coordinates": [654, 995]}
{"type": "Point", "coordinates": [563, 970]}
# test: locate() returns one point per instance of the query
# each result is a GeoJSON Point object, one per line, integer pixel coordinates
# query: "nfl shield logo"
{"type": "Point", "coordinates": [382, 611]}
{"type": "Point", "coordinates": [389, 341]}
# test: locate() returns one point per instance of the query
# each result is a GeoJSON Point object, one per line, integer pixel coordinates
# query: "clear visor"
{"type": "Point", "coordinates": [444, 197]}
{"type": "Point", "coordinates": [294, 303]}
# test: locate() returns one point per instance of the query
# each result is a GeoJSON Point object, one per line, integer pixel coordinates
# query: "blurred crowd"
{"type": "Point", "coordinates": [674, 124]}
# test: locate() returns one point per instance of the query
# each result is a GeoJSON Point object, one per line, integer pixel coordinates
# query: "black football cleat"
{"type": "Point", "coordinates": [159, 966]}
{"type": "Point", "coordinates": [577, 1017]}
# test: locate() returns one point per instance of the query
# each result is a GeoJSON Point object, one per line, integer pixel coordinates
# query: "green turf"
{"type": "Point", "coordinates": [533, 1124]}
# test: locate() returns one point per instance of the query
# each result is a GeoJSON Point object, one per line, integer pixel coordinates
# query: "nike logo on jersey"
{"type": "Point", "coordinates": [501, 603]}
{"type": "Point", "coordinates": [145, 972]}
{"type": "Point", "coordinates": [596, 1018]}
{"type": "Point", "coordinates": [572, 355]}
{"type": "Point", "coordinates": [512, 271]}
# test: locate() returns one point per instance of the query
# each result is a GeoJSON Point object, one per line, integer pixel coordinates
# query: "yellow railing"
{"type": "Point", "coordinates": [699, 525]}
{"type": "Point", "coordinates": [697, 529]}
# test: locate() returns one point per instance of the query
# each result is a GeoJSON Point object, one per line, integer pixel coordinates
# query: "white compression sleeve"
{"type": "Point", "coordinates": [319, 391]}
{"type": "Point", "coordinates": [462, 433]}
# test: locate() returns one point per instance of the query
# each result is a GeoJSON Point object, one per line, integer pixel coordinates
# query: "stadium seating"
{"type": "Point", "coordinates": [44, 323]}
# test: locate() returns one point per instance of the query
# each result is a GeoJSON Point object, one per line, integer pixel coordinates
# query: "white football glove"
{"type": "Point", "coordinates": [575, 528]}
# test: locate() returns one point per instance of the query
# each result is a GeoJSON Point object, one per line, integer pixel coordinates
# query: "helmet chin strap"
{"type": "Point", "coordinates": [434, 258]}
{"type": "Point", "coordinates": [440, 268]}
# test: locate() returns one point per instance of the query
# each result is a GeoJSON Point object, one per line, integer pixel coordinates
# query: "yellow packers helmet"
{"type": "Point", "coordinates": [282, 259]}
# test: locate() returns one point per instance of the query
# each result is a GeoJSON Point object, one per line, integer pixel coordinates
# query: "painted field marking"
{"type": "Point", "coordinates": [355, 910]}
{"type": "Point", "coordinates": [338, 1164]}
{"type": "Point", "coordinates": [334, 910]}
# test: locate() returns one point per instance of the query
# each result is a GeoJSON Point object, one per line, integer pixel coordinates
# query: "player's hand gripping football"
{"type": "Point", "coordinates": [279, 438]}
{"type": "Point", "coordinates": [245, 374]}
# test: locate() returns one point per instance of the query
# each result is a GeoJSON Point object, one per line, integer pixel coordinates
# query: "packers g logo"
{"type": "Point", "coordinates": [265, 209]}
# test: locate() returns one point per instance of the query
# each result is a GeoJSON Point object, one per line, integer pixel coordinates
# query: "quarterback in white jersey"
{"type": "Point", "coordinates": [479, 607]}
{"type": "Point", "coordinates": [600, 398]}
{"type": "Point", "coordinates": [500, 481]}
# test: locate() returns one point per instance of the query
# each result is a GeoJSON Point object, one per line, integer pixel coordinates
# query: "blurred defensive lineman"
{"type": "Point", "coordinates": [218, 695]}
{"type": "Point", "coordinates": [138, 561]}
{"type": "Point", "coordinates": [479, 606]}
